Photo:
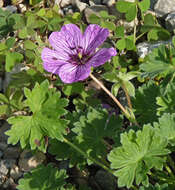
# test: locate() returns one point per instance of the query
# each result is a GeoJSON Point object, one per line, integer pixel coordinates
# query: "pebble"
{"type": "Point", "coordinates": [9, 183]}
{"type": "Point", "coordinates": [3, 129]}
{"type": "Point", "coordinates": [63, 3]}
{"type": "Point", "coordinates": [15, 172]}
{"type": "Point", "coordinates": [161, 8]}
{"type": "Point", "coordinates": [109, 3]}
{"type": "Point", "coordinates": [10, 8]}
{"type": "Point", "coordinates": [28, 161]}
{"type": "Point", "coordinates": [170, 21]}
{"type": "Point", "coordinates": [146, 47]}
{"type": "Point", "coordinates": [22, 7]}
{"type": "Point", "coordinates": [12, 153]}
{"type": "Point", "coordinates": [1, 3]}
{"type": "Point", "coordinates": [3, 146]}
{"type": "Point", "coordinates": [80, 5]}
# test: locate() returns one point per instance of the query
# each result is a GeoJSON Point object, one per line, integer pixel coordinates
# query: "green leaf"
{"type": "Point", "coordinates": [41, 12]}
{"type": "Point", "coordinates": [156, 187]}
{"type": "Point", "coordinates": [23, 33]}
{"type": "Point", "coordinates": [124, 6]}
{"type": "Point", "coordinates": [92, 127]}
{"type": "Point", "coordinates": [12, 59]}
{"type": "Point", "coordinates": [119, 32]}
{"type": "Point", "coordinates": [10, 42]}
{"type": "Point", "coordinates": [149, 19]}
{"type": "Point", "coordinates": [130, 44]}
{"type": "Point", "coordinates": [140, 152]}
{"type": "Point", "coordinates": [121, 44]}
{"type": "Point", "coordinates": [130, 88]}
{"type": "Point", "coordinates": [109, 25]}
{"type": "Point", "coordinates": [115, 88]}
{"type": "Point", "coordinates": [158, 34]}
{"type": "Point", "coordinates": [94, 19]}
{"type": "Point", "coordinates": [3, 99]}
{"type": "Point", "coordinates": [165, 127]}
{"type": "Point", "coordinates": [3, 46]}
{"type": "Point", "coordinates": [166, 101]}
{"type": "Point", "coordinates": [43, 178]}
{"type": "Point", "coordinates": [47, 107]}
{"type": "Point", "coordinates": [74, 88]}
{"type": "Point", "coordinates": [144, 5]}
{"type": "Point", "coordinates": [144, 103]}
{"type": "Point", "coordinates": [28, 44]}
{"type": "Point", "coordinates": [131, 13]}
{"type": "Point", "coordinates": [158, 62]}
{"type": "Point", "coordinates": [110, 76]}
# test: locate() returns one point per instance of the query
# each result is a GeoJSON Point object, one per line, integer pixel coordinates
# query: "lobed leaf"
{"type": "Point", "coordinates": [140, 151]}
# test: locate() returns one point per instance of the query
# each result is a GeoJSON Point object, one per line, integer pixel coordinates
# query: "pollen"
{"type": "Point", "coordinates": [79, 55]}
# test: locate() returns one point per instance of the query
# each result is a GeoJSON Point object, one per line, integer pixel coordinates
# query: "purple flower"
{"type": "Point", "coordinates": [75, 53]}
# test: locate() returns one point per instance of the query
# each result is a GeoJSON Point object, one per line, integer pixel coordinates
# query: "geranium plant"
{"type": "Point", "coordinates": [83, 96]}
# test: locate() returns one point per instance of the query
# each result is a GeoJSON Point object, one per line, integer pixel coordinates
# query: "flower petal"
{"type": "Point", "coordinates": [67, 39]}
{"type": "Point", "coordinates": [102, 56]}
{"type": "Point", "coordinates": [49, 55]}
{"type": "Point", "coordinates": [52, 60]}
{"type": "Point", "coordinates": [93, 37]}
{"type": "Point", "coordinates": [70, 73]}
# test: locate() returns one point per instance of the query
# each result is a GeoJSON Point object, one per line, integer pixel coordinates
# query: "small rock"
{"type": "Point", "coordinates": [12, 153]}
{"type": "Point", "coordinates": [170, 21]}
{"type": "Point", "coordinates": [109, 3]}
{"type": "Point", "coordinates": [3, 146]}
{"type": "Point", "coordinates": [9, 183]}
{"type": "Point", "coordinates": [22, 8]}
{"type": "Point", "coordinates": [63, 3]}
{"type": "Point", "coordinates": [97, 2]}
{"type": "Point", "coordinates": [106, 180]}
{"type": "Point", "coordinates": [144, 48]}
{"type": "Point", "coordinates": [163, 7]}
{"type": "Point", "coordinates": [5, 165]}
{"type": "Point", "coordinates": [10, 8]}
{"type": "Point", "coordinates": [2, 179]}
{"type": "Point", "coordinates": [3, 169]}
{"type": "Point", "coordinates": [68, 9]}
{"type": "Point", "coordinates": [94, 10]}
{"type": "Point", "coordinates": [28, 161]}
{"type": "Point", "coordinates": [3, 129]}
{"type": "Point", "coordinates": [91, 3]}
{"type": "Point", "coordinates": [15, 173]}
{"type": "Point", "coordinates": [152, 4]}
{"type": "Point", "coordinates": [1, 3]}
{"type": "Point", "coordinates": [80, 5]}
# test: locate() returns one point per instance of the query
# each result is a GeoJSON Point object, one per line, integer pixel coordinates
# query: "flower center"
{"type": "Point", "coordinates": [79, 58]}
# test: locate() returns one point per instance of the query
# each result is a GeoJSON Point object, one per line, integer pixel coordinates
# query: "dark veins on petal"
{"type": "Point", "coordinates": [80, 57]}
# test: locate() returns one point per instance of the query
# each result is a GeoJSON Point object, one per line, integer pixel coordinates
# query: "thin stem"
{"type": "Point", "coordinates": [87, 156]}
{"type": "Point", "coordinates": [127, 115]}
{"type": "Point", "coordinates": [110, 94]}
{"type": "Point", "coordinates": [127, 96]}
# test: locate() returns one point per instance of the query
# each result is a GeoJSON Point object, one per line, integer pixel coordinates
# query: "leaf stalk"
{"type": "Point", "coordinates": [126, 113]}
{"type": "Point", "coordinates": [87, 156]}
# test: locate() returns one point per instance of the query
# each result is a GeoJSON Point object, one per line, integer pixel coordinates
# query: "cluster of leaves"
{"type": "Point", "coordinates": [61, 119]}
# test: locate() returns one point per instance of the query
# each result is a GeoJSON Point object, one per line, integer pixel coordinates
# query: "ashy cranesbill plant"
{"type": "Point", "coordinates": [66, 119]}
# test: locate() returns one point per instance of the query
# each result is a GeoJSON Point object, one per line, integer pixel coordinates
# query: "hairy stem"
{"type": "Point", "coordinates": [87, 156]}
{"type": "Point", "coordinates": [128, 116]}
